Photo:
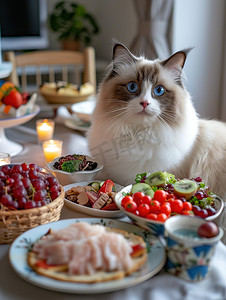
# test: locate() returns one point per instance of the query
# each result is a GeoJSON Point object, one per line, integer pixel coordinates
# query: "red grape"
{"type": "Point", "coordinates": [30, 204]}
{"type": "Point", "coordinates": [40, 195]}
{"type": "Point", "coordinates": [38, 184]}
{"type": "Point", "coordinates": [17, 169]}
{"type": "Point", "coordinates": [208, 230]}
{"type": "Point", "coordinates": [25, 166]}
{"type": "Point", "coordinates": [6, 200]}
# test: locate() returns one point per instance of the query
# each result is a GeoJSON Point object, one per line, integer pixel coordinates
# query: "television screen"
{"type": "Point", "coordinates": [23, 24]}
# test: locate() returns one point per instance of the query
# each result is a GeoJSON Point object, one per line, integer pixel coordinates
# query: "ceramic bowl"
{"type": "Point", "coordinates": [157, 227]}
{"type": "Point", "coordinates": [66, 178]}
{"type": "Point", "coordinates": [188, 255]}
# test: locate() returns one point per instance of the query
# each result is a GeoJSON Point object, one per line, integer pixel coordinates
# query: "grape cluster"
{"type": "Point", "coordinates": [25, 186]}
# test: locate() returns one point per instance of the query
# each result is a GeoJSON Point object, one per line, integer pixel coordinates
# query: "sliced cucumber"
{"type": "Point", "coordinates": [95, 185]}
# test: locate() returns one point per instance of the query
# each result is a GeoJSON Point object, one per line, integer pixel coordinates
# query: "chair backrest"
{"type": "Point", "coordinates": [53, 66]}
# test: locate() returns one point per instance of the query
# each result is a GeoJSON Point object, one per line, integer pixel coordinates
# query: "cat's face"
{"type": "Point", "coordinates": [137, 90]}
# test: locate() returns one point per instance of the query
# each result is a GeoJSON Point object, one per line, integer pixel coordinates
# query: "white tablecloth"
{"type": "Point", "coordinates": [161, 287]}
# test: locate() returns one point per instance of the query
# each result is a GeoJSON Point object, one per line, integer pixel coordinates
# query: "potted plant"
{"type": "Point", "coordinates": [74, 25]}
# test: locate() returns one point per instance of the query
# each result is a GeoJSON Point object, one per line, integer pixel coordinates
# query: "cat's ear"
{"type": "Point", "coordinates": [121, 54]}
{"type": "Point", "coordinates": [176, 61]}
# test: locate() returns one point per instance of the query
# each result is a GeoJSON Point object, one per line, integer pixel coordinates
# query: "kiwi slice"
{"type": "Point", "coordinates": [185, 188]}
{"type": "Point", "coordinates": [156, 179]}
{"type": "Point", "coordinates": [142, 187]}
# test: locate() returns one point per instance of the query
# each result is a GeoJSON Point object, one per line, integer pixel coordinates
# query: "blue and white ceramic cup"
{"type": "Point", "coordinates": [188, 255]}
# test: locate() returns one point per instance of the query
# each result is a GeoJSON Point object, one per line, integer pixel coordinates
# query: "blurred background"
{"type": "Point", "coordinates": [156, 28]}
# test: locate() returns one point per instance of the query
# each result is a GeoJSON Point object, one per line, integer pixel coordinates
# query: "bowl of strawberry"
{"type": "Point", "coordinates": [29, 196]}
{"type": "Point", "coordinates": [158, 196]}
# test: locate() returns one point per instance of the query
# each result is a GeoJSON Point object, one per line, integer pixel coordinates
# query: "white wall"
{"type": "Point", "coordinates": [201, 24]}
{"type": "Point", "coordinates": [116, 18]}
{"type": "Point", "coordinates": [196, 23]}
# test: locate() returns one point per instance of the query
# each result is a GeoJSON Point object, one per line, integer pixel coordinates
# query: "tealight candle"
{"type": "Point", "coordinates": [45, 129]}
{"type": "Point", "coordinates": [52, 149]}
{"type": "Point", "coordinates": [4, 158]}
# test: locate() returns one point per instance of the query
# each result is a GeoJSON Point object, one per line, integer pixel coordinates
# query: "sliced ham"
{"type": "Point", "coordinates": [101, 201]}
{"type": "Point", "coordinates": [85, 248]}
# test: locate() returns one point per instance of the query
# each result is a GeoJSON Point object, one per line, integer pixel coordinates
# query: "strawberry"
{"type": "Point", "coordinates": [14, 98]}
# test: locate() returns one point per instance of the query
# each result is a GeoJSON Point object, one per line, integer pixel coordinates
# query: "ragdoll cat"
{"type": "Point", "coordinates": [145, 121]}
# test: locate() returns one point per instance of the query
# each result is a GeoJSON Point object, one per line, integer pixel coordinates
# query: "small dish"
{"type": "Point", "coordinates": [79, 176]}
{"type": "Point", "coordinates": [77, 124]}
{"type": "Point", "coordinates": [92, 211]}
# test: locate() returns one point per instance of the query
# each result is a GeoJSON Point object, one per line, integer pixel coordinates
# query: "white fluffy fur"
{"type": "Point", "coordinates": [130, 140]}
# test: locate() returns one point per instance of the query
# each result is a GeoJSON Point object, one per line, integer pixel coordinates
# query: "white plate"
{"type": "Point", "coordinates": [92, 211]}
{"type": "Point", "coordinates": [19, 249]}
{"type": "Point", "coordinates": [87, 106]}
{"type": "Point", "coordinates": [77, 124]}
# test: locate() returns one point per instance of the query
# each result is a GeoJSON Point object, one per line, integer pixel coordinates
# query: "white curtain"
{"type": "Point", "coordinates": [153, 28]}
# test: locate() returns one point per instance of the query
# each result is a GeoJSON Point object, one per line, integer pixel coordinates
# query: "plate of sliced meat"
{"type": "Point", "coordinates": [86, 256]}
{"type": "Point", "coordinates": [94, 198]}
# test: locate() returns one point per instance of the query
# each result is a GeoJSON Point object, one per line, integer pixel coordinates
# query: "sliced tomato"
{"type": "Point", "coordinates": [107, 186]}
{"type": "Point", "coordinates": [42, 264]}
{"type": "Point", "coordinates": [137, 250]}
{"type": "Point", "coordinates": [110, 206]}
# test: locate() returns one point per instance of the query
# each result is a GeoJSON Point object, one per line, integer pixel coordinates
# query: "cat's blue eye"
{"type": "Point", "coordinates": [132, 87]}
{"type": "Point", "coordinates": [159, 90]}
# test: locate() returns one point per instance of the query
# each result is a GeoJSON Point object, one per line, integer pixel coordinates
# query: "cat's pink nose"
{"type": "Point", "coordinates": [144, 104]}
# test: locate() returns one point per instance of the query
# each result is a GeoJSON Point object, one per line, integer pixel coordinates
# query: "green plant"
{"type": "Point", "coordinates": [72, 21]}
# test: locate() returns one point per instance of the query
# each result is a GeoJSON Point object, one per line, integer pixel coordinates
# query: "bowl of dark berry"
{"type": "Point", "coordinates": [29, 196]}
{"type": "Point", "coordinates": [74, 168]}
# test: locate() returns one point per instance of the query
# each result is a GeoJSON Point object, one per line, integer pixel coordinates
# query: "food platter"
{"type": "Point", "coordinates": [91, 211]}
{"type": "Point", "coordinates": [20, 247]}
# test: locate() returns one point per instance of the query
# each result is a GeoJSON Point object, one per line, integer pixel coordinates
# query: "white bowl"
{"type": "Point", "coordinates": [157, 227]}
{"type": "Point", "coordinates": [66, 178]}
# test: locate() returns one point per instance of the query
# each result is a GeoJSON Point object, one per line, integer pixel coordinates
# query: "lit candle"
{"type": "Point", "coordinates": [4, 158]}
{"type": "Point", "coordinates": [52, 149]}
{"type": "Point", "coordinates": [45, 129]}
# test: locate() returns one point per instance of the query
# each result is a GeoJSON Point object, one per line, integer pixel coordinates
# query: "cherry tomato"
{"type": "Point", "coordinates": [126, 199]}
{"type": "Point", "coordinates": [143, 209]}
{"type": "Point", "coordinates": [131, 206]}
{"type": "Point", "coordinates": [169, 196]}
{"type": "Point", "coordinates": [162, 217]}
{"type": "Point", "coordinates": [166, 209]}
{"type": "Point", "coordinates": [152, 216]}
{"type": "Point", "coordinates": [187, 206]}
{"type": "Point", "coordinates": [155, 207]}
{"type": "Point", "coordinates": [137, 197]}
{"type": "Point", "coordinates": [160, 195]}
{"type": "Point", "coordinates": [177, 206]}
{"type": "Point", "coordinates": [146, 199]}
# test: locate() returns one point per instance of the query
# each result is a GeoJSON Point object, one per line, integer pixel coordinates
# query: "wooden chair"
{"type": "Point", "coordinates": [53, 65]}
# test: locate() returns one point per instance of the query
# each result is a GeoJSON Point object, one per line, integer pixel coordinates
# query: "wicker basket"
{"type": "Point", "coordinates": [13, 223]}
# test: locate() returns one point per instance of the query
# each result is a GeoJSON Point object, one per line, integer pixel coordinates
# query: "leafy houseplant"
{"type": "Point", "coordinates": [72, 22]}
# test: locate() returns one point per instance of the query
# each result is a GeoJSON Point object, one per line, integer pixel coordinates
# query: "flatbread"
{"type": "Point", "coordinates": [60, 272]}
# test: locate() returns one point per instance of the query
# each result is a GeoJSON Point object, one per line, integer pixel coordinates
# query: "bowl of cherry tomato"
{"type": "Point", "coordinates": [150, 206]}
